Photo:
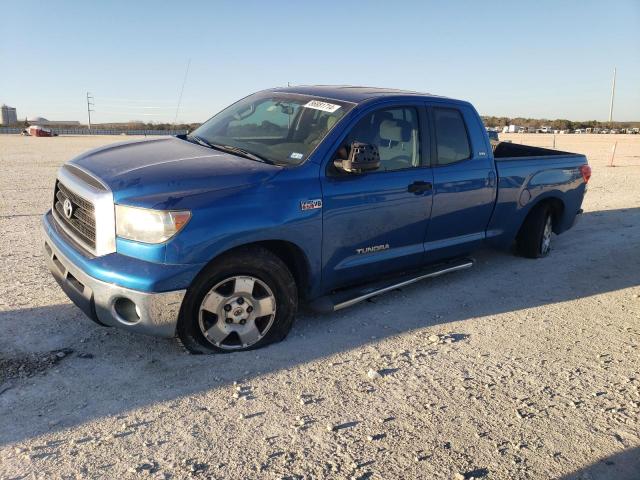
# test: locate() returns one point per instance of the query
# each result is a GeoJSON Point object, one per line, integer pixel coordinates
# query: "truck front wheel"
{"type": "Point", "coordinates": [534, 238]}
{"type": "Point", "coordinates": [242, 301]}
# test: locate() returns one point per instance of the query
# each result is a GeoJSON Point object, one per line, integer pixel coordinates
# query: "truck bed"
{"type": "Point", "coordinates": [528, 174]}
{"type": "Point", "coordinates": [510, 151]}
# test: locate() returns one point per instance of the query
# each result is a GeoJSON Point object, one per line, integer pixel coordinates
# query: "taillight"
{"type": "Point", "coordinates": [585, 170]}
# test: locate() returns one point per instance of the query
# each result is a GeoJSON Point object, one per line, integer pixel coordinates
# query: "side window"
{"type": "Point", "coordinates": [396, 134]}
{"type": "Point", "coordinates": [452, 140]}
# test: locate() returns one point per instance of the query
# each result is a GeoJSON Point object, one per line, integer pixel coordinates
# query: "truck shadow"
{"type": "Point", "coordinates": [621, 466]}
{"type": "Point", "coordinates": [111, 372]}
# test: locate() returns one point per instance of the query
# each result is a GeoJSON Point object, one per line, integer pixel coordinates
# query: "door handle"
{"type": "Point", "coordinates": [419, 187]}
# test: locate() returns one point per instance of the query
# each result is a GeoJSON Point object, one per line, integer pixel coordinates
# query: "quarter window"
{"type": "Point", "coordinates": [451, 136]}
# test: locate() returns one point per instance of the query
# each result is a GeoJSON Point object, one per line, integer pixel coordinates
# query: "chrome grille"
{"type": "Point", "coordinates": [83, 219]}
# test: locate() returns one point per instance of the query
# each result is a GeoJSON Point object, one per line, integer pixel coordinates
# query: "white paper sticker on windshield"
{"type": "Point", "coordinates": [296, 156]}
{"type": "Point", "coordinates": [324, 106]}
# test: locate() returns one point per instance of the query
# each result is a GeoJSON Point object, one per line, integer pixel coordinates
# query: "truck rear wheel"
{"type": "Point", "coordinates": [242, 301]}
{"type": "Point", "coordinates": [534, 238]}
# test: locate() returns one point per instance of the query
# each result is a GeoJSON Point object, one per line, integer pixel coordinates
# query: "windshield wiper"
{"type": "Point", "coordinates": [241, 151]}
{"type": "Point", "coordinates": [198, 140]}
{"type": "Point", "coordinates": [230, 149]}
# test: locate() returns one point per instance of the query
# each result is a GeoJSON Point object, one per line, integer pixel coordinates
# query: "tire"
{"type": "Point", "coordinates": [228, 298]}
{"type": "Point", "coordinates": [534, 237]}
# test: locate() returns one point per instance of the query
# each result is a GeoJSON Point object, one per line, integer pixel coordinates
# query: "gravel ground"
{"type": "Point", "coordinates": [514, 369]}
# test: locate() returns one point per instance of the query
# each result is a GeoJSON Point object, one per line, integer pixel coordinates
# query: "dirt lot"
{"type": "Point", "coordinates": [515, 369]}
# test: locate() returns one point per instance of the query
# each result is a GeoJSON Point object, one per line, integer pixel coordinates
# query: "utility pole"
{"type": "Point", "coordinates": [613, 91]}
{"type": "Point", "coordinates": [89, 109]}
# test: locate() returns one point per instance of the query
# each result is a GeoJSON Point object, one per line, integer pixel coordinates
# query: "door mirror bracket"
{"type": "Point", "coordinates": [363, 157]}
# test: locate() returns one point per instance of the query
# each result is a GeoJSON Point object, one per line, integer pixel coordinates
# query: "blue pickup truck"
{"type": "Point", "coordinates": [320, 195]}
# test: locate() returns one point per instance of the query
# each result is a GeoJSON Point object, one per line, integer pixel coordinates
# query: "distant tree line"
{"type": "Point", "coordinates": [138, 125]}
{"type": "Point", "coordinates": [133, 125]}
{"type": "Point", "coordinates": [489, 121]}
{"type": "Point", "coordinates": [558, 124]}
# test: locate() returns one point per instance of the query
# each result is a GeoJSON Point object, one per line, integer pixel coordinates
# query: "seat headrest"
{"type": "Point", "coordinates": [395, 130]}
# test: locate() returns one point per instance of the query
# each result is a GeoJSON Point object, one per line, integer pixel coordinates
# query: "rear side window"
{"type": "Point", "coordinates": [451, 136]}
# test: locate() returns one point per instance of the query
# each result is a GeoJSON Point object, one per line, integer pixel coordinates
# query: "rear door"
{"type": "Point", "coordinates": [464, 182]}
{"type": "Point", "coordinates": [376, 222]}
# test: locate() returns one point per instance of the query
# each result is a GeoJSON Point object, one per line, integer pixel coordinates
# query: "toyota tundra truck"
{"type": "Point", "coordinates": [319, 195]}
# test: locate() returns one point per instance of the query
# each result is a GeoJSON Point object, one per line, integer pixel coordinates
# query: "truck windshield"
{"type": "Point", "coordinates": [279, 128]}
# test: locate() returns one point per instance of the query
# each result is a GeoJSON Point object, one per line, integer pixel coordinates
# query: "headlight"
{"type": "Point", "coordinates": [149, 226]}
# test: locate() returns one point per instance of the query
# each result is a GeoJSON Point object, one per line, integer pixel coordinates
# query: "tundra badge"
{"type": "Point", "coordinates": [374, 248]}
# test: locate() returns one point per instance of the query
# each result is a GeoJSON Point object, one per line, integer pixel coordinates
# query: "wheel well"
{"type": "Point", "coordinates": [557, 209]}
{"type": "Point", "coordinates": [292, 256]}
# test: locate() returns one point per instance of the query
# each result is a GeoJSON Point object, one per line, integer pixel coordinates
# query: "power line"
{"type": "Point", "coordinates": [184, 81]}
{"type": "Point", "coordinates": [134, 107]}
{"type": "Point", "coordinates": [134, 100]}
{"type": "Point", "coordinates": [107, 112]}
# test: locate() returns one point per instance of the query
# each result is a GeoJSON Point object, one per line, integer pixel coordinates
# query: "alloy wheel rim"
{"type": "Point", "coordinates": [237, 312]}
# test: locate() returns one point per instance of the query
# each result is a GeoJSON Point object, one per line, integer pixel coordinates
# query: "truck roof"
{"type": "Point", "coordinates": [353, 94]}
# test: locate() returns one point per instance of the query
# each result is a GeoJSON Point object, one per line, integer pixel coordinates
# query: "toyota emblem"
{"type": "Point", "coordinates": [67, 207]}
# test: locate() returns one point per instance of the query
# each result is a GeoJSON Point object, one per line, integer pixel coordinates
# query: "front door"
{"type": "Point", "coordinates": [375, 223]}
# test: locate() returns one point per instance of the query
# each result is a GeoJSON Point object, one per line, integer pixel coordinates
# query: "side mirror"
{"type": "Point", "coordinates": [362, 158]}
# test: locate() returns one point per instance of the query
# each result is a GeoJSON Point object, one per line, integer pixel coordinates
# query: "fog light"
{"type": "Point", "coordinates": [128, 312]}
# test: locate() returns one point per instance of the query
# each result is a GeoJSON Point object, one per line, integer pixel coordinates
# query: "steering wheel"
{"type": "Point", "coordinates": [399, 162]}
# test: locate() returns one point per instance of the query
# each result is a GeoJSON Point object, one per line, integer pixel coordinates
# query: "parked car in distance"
{"type": "Point", "coordinates": [38, 131]}
{"type": "Point", "coordinates": [319, 195]}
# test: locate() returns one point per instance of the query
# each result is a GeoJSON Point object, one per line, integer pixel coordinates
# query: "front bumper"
{"type": "Point", "coordinates": [113, 305]}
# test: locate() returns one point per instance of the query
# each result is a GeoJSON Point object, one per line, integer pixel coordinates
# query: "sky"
{"type": "Point", "coordinates": [539, 59]}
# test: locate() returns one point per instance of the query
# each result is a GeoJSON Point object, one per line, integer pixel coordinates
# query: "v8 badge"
{"type": "Point", "coordinates": [311, 204]}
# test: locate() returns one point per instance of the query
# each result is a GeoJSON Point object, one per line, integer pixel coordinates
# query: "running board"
{"type": "Point", "coordinates": [347, 298]}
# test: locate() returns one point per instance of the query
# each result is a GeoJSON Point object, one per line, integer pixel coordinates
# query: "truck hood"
{"type": "Point", "coordinates": [154, 167]}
